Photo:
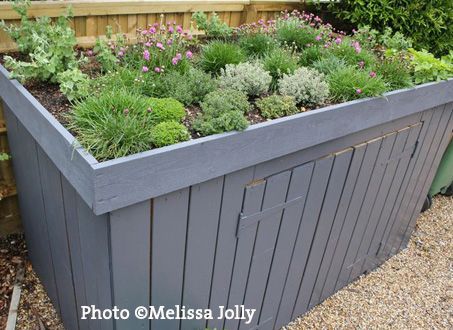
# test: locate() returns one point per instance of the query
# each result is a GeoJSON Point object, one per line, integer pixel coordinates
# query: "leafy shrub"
{"type": "Point", "coordinates": [217, 54]}
{"type": "Point", "coordinates": [278, 63]}
{"type": "Point", "coordinates": [166, 109]}
{"type": "Point", "coordinates": [428, 68]}
{"type": "Point", "coordinates": [351, 83]}
{"type": "Point", "coordinates": [104, 53]}
{"type": "Point", "coordinates": [50, 46]}
{"type": "Point", "coordinates": [113, 124]}
{"type": "Point", "coordinates": [309, 55]}
{"type": "Point", "coordinates": [306, 85]}
{"type": "Point", "coordinates": [295, 34]}
{"type": "Point", "coordinates": [395, 73]}
{"type": "Point", "coordinates": [168, 133]}
{"type": "Point", "coordinates": [223, 111]}
{"type": "Point", "coordinates": [188, 88]}
{"type": "Point", "coordinates": [427, 23]}
{"type": "Point", "coordinates": [250, 78]}
{"type": "Point", "coordinates": [276, 106]}
{"type": "Point", "coordinates": [74, 84]}
{"type": "Point", "coordinates": [213, 27]}
{"type": "Point", "coordinates": [257, 44]}
{"type": "Point", "coordinates": [329, 64]}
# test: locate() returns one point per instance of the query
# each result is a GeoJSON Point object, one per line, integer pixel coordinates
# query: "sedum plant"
{"type": "Point", "coordinates": [250, 78]}
{"type": "Point", "coordinates": [168, 133]}
{"type": "Point", "coordinates": [222, 111]}
{"type": "Point", "coordinates": [351, 83]}
{"type": "Point", "coordinates": [217, 54]}
{"type": "Point", "coordinates": [167, 109]}
{"type": "Point", "coordinates": [276, 106]}
{"type": "Point", "coordinates": [307, 86]}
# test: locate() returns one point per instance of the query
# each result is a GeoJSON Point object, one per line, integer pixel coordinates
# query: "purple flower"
{"type": "Point", "coordinates": [358, 91]}
{"type": "Point", "coordinates": [90, 52]}
{"type": "Point", "coordinates": [338, 40]}
{"type": "Point", "coordinates": [147, 44]}
{"type": "Point", "coordinates": [144, 32]}
{"type": "Point", "coordinates": [160, 46]}
{"type": "Point", "coordinates": [318, 37]}
{"type": "Point", "coordinates": [372, 74]}
{"type": "Point", "coordinates": [357, 47]}
{"type": "Point", "coordinates": [189, 54]}
{"type": "Point", "coordinates": [145, 69]}
{"type": "Point", "coordinates": [146, 55]}
{"type": "Point", "coordinates": [171, 29]}
{"type": "Point", "coordinates": [120, 53]}
{"type": "Point", "coordinates": [174, 60]}
{"type": "Point", "coordinates": [361, 64]}
{"type": "Point", "coordinates": [157, 69]}
{"type": "Point", "coordinates": [169, 42]}
{"type": "Point", "coordinates": [152, 30]}
{"type": "Point", "coordinates": [178, 56]}
{"type": "Point", "coordinates": [179, 29]}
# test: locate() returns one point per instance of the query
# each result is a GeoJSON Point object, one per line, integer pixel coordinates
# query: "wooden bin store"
{"type": "Point", "coordinates": [276, 218]}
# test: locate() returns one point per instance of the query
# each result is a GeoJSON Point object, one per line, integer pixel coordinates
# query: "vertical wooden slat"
{"type": "Point", "coordinates": [130, 239]}
{"type": "Point", "coordinates": [112, 20]}
{"type": "Point", "coordinates": [92, 27]}
{"type": "Point", "coordinates": [236, 19]}
{"type": "Point", "coordinates": [233, 194]}
{"type": "Point", "coordinates": [263, 251]}
{"type": "Point", "coordinates": [58, 240]}
{"type": "Point", "coordinates": [205, 204]}
{"type": "Point", "coordinates": [80, 26]}
{"type": "Point", "coordinates": [354, 204]}
{"type": "Point", "coordinates": [95, 254]}
{"type": "Point", "coordinates": [300, 181]}
{"type": "Point", "coordinates": [123, 24]}
{"type": "Point", "coordinates": [390, 147]}
{"type": "Point", "coordinates": [102, 24]}
{"type": "Point", "coordinates": [131, 24]}
{"type": "Point", "coordinates": [336, 182]}
{"type": "Point", "coordinates": [168, 241]}
{"type": "Point", "coordinates": [244, 249]}
{"type": "Point", "coordinates": [28, 180]}
{"type": "Point", "coordinates": [72, 225]}
{"type": "Point", "coordinates": [141, 21]}
{"type": "Point", "coordinates": [187, 20]}
{"type": "Point", "coordinates": [307, 227]}
{"type": "Point", "coordinates": [408, 226]}
{"type": "Point", "coordinates": [356, 162]}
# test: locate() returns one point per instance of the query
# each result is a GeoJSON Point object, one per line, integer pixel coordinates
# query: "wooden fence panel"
{"type": "Point", "coordinates": [91, 18]}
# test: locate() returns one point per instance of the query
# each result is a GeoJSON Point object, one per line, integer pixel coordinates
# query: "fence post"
{"type": "Point", "coordinates": [249, 15]}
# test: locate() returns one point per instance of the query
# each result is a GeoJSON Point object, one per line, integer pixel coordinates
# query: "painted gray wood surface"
{"type": "Point", "coordinates": [277, 222]}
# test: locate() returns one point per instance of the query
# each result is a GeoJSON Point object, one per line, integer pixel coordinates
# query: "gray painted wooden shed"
{"type": "Point", "coordinates": [276, 218]}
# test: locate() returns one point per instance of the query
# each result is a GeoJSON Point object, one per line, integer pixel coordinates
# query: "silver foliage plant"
{"type": "Point", "coordinates": [307, 86]}
{"type": "Point", "coordinates": [247, 77]}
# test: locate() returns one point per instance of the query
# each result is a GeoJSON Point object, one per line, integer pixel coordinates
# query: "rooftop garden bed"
{"type": "Point", "coordinates": [172, 85]}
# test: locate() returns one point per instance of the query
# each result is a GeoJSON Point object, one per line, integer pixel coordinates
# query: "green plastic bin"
{"type": "Point", "coordinates": [443, 181]}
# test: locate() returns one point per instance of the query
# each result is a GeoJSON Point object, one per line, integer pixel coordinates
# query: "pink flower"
{"type": "Point", "coordinates": [174, 60]}
{"type": "Point", "coordinates": [145, 69]}
{"type": "Point", "coordinates": [171, 29]}
{"type": "Point", "coordinates": [126, 111]}
{"type": "Point", "coordinates": [179, 29]}
{"type": "Point", "coordinates": [90, 52]}
{"type": "Point", "coordinates": [169, 42]}
{"type": "Point", "coordinates": [178, 56]}
{"type": "Point", "coordinates": [146, 55]}
{"type": "Point", "coordinates": [357, 47]}
{"type": "Point", "coordinates": [358, 91]}
{"type": "Point", "coordinates": [338, 40]}
{"type": "Point", "coordinates": [189, 54]}
{"type": "Point", "coordinates": [372, 74]}
{"type": "Point", "coordinates": [318, 37]}
{"type": "Point", "coordinates": [157, 69]}
{"type": "Point", "coordinates": [160, 46]}
{"type": "Point", "coordinates": [152, 30]}
{"type": "Point", "coordinates": [148, 44]}
{"type": "Point", "coordinates": [361, 64]}
{"type": "Point", "coordinates": [144, 32]}
{"type": "Point", "coordinates": [120, 53]}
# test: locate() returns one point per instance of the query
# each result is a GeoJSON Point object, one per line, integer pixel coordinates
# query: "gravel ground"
{"type": "Point", "coordinates": [413, 290]}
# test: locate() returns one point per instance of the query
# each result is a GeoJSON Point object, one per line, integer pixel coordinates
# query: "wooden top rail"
{"type": "Point", "coordinates": [124, 7]}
